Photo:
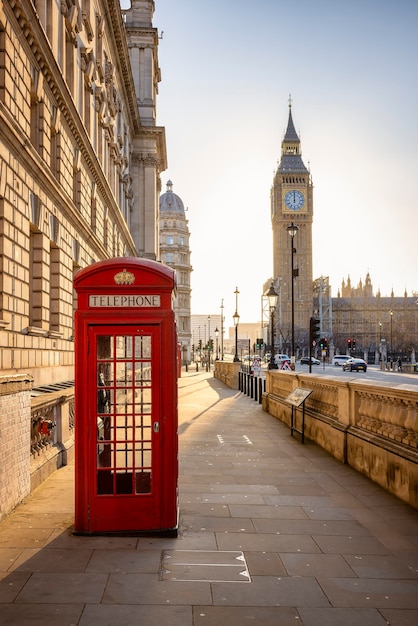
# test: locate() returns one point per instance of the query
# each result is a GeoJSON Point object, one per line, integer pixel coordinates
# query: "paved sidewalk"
{"type": "Point", "coordinates": [272, 532]}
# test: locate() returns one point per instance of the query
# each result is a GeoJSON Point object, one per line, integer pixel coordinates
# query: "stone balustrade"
{"type": "Point", "coordinates": [52, 433]}
{"type": "Point", "coordinates": [371, 427]}
{"type": "Point", "coordinates": [227, 372]}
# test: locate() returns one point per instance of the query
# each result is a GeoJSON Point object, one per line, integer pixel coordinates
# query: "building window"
{"type": "Point", "coordinates": [39, 305]}
{"type": "Point", "coordinates": [170, 240]}
{"type": "Point", "coordinates": [169, 257]}
{"type": "Point", "coordinates": [55, 291]}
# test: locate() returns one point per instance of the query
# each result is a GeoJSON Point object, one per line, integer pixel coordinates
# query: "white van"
{"type": "Point", "coordinates": [339, 359]}
{"type": "Point", "coordinates": [282, 361]}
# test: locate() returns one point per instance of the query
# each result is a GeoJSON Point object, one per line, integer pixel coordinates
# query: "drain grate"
{"type": "Point", "coordinates": [234, 440]}
{"type": "Point", "coordinates": [204, 566]}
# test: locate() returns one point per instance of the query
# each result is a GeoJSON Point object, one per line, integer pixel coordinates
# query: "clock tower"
{"type": "Point", "coordinates": [292, 205]}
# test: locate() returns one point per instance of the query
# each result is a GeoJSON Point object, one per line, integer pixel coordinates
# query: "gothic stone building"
{"type": "Point", "coordinates": [372, 326]}
{"type": "Point", "coordinates": [380, 327]}
{"type": "Point", "coordinates": [292, 204]}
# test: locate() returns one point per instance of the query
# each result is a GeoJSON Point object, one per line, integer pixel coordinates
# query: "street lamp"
{"type": "Point", "coordinates": [292, 230]}
{"type": "Point", "coordinates": [380, 342]}
{"type": "Point", "coordinates": [222, 329]}
{"type": "Point", "coordinates": [216, 337]}
{"type": "Point", "coordinates": [391, 334]}
{"type": "Point", "coordinates": [208, 370]}
{"type": "Point", "coordinates": [236, 322]}
{"type": "Point", "coordinates": [273, 297]}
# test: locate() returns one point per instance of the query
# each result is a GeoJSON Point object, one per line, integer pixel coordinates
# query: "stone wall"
{"type": "Point", "coordinates": [227, 372]}
{"type": "Point", "coordinates": [372, 428]}
{"type": "Point", "coordinates": [14, 440]}
{"type": "Point", "coordinates": [36, 437]}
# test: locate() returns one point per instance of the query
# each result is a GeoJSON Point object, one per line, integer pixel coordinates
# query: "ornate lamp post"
{"type": "Point", "coordinates": [292, 230]}
{"type": "Point", "coordinates": [380, 342]}
{"type": "Point", "coordinates": [236, 322]}
{"type": "Point", "coordinates": [273, 297]}
{"type": "Point", "coordinates": [208, 345]}
{"type": "Point", "coordinates": [391, 334]}
{"type": "Point", "coordinates": [222, 329]}
{"type": "Point", "coordinates": [216, 337]}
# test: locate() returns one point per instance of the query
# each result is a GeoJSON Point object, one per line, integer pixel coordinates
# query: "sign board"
{"type": "Point", "coordinates": [128, 300]}
{"type": "Point", "coordinates": [298, 395]}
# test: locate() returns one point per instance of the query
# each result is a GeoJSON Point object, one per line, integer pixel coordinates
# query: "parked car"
{"type": "Point", "coordinates": [339, 359]}
{"type": "Point", "coordinates": [355, 365]}
{"type": "Point", "coordinates": [305, 360]}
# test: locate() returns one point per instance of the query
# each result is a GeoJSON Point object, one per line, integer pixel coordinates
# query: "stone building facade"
{"type": "Point", "coordinates": [80, 163]}
{"type": "Point", "coordinates": [372, 326]}
{"type": "Point", "coordinates": [175, 252]}
{"type": "Point", "coordinates": [79, 170]}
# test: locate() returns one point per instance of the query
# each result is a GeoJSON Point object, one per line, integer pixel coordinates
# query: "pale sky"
{"type": "Point", "coordinates": [228, 67]}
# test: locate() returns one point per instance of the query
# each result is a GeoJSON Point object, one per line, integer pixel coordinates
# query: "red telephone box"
{"type": "Point", "coordinates": [126, 465]}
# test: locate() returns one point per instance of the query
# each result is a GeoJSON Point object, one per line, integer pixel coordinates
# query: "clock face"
{"type": "Point", "coordinates": [294, 200]}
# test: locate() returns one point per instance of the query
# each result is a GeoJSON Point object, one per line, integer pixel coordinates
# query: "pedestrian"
{"type": "Point", "coordinates": [399, 364]}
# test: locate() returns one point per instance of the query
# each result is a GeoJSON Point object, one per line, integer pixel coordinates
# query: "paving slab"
{"type": "Point", "coordinates": [321, 544]}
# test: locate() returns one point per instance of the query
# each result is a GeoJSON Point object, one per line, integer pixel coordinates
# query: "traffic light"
{"type": "Point", "coordinates": [314, 324]}
{"type": "Point", "coordinates": [200, 345]}
{"type": "Point", "coordinates": [349, 344]}
{"type": "Point", "coordinates": [211, 344]}
{"type": "Point", "coordinates": [259, 342]}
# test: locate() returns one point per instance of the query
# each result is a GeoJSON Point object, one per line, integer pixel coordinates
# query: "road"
{"type": "Point", "coordinates": [373, 373]}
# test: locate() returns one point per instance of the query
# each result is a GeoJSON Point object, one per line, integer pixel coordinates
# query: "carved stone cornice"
{"type": "Point", "coordinates": [32, 31]}
{"type": "Point", "coordinates": [146, 158]}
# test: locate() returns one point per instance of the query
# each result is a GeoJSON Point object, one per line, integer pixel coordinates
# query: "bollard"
{"type": "Point", "coordinates": [256, 379]}
{"type": "Point", "coordinates": [252, 386]}
{"type": "Point", "coordinates": [260, 391]}
{"type": "Point", "coordinates": [197, 366]}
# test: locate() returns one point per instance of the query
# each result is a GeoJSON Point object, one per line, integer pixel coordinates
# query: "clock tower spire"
{"type": "Point", "coordinates": [292, 203]}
